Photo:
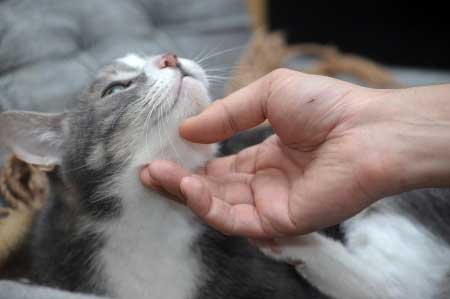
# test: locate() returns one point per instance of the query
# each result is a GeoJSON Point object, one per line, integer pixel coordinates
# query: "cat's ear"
{"type": "Point", "coordinates": [36, 138]}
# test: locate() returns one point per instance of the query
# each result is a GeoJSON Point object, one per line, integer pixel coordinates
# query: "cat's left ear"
{"type": "Point", "coordinates": [36, 138]}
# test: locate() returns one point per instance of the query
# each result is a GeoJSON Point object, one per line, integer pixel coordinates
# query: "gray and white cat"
{"type": "Point", "coordinates": [103, 233]}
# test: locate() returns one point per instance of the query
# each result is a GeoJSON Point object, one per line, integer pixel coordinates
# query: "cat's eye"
{"type": "Point", "coordinates": [115, 88]}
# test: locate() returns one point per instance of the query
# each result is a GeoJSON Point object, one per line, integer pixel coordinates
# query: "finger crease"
{"type": "Point", "coordinates": [230, 119]}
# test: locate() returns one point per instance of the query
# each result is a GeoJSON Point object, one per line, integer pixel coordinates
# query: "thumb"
{"type": "Point", "coordinates": [241, 110]}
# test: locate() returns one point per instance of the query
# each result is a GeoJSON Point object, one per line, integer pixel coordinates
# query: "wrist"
{"type": "Point", "coordinates": [417, 123]}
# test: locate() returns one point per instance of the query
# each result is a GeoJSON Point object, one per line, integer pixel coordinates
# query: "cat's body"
{"type": "Point", "coordinates": [189, 260]}
{"type": "Point", "coordinates": [397, 248]}
{"type": "Point", "coordinates": [102, 232]}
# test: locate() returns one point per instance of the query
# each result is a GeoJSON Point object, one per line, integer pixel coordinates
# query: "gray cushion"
{"type": "Point", "coordinates": [49, 49]}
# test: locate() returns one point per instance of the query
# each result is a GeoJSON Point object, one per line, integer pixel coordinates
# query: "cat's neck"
{"type": "Point", "coordinates": [150, 241]}
{"type": "Point", "coordinates": [149, 244]}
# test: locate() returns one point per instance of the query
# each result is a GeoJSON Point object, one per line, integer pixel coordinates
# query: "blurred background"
{"type": "Point", "coordinates": [49, 49]}
{"type": "Point", "coordinates": [404, 33]}
{"type": "Point", "coordinates": [410, 39]}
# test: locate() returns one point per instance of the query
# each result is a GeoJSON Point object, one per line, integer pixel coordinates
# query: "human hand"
{"type": "Point", "coordinates": [337, 148]}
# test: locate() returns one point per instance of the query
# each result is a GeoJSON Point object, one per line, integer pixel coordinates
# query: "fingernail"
{"type": "Point", "coordinates": [191, 187]}
{"type": "Point", "coordinates": [157, 166]}
{"type": "Point", "coordinates": [275, 249]}
{"type": "Point", "coordinates": [148, 180]}
{"type": "Point", "coordinates": [297, 263]}
{"type": "Point", "coordinates": [184, 127]}
{"type": "Point", "coordinates": [188, 120]}
{"type": "Point", "coordinates": [145, 175]}
{"type": "Point", "coordinates": [252, 242]}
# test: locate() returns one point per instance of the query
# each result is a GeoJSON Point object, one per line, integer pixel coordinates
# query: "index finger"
{"type": "Point", "coordinates": [243, 109]}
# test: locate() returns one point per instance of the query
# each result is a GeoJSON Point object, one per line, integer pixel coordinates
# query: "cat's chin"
{"type": "Point", "coordinates": [193, 96]}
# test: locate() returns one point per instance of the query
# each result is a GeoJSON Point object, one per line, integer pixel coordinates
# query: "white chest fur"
{"type": "Point", "coordinates": [148, 251]}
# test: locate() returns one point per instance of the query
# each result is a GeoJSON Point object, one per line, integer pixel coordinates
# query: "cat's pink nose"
{"type": "Point", "coordinates": [168, 60]}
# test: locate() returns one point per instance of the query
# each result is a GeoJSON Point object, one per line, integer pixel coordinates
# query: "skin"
{"type": "Point", "coordinates": [337, 148]}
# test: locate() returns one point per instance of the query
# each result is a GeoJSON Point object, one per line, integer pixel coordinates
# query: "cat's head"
{"type": "Point", "coordinates": [130, 114]}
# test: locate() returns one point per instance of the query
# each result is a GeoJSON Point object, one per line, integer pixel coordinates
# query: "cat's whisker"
{"type": "Point", "coordinates": [214, 69]}
{"type": "Point", "coordinates": [158, 123]}
{"type": "Point", "coordinates": [148, 118]}
{"type": "Point", "coordinates": [205, 51]}
{"type": "Point", "coordinates": [218, 79]}
{"type": "Point", "coordinates": [218, 76]}
{"type": "Point", "coordinates": [219, 53]}
{"type": "Point", "coordinates": [169, 139]}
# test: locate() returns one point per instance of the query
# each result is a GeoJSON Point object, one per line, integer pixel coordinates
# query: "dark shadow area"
{"type": "Point", "coordinates": [391, 32]}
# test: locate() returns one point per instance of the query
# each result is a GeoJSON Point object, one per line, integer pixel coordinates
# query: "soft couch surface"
{"type": "Point", "coordinates": [50, 48]}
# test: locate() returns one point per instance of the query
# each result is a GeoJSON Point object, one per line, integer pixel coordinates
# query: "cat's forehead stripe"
{"type": "Point", "coordinates": [133, 60]}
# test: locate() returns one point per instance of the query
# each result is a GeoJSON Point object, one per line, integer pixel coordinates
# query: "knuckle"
{"type": "Point", "coordinates": [282, 72]}
{"type": "Point", "coordinates": [274, 81]}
